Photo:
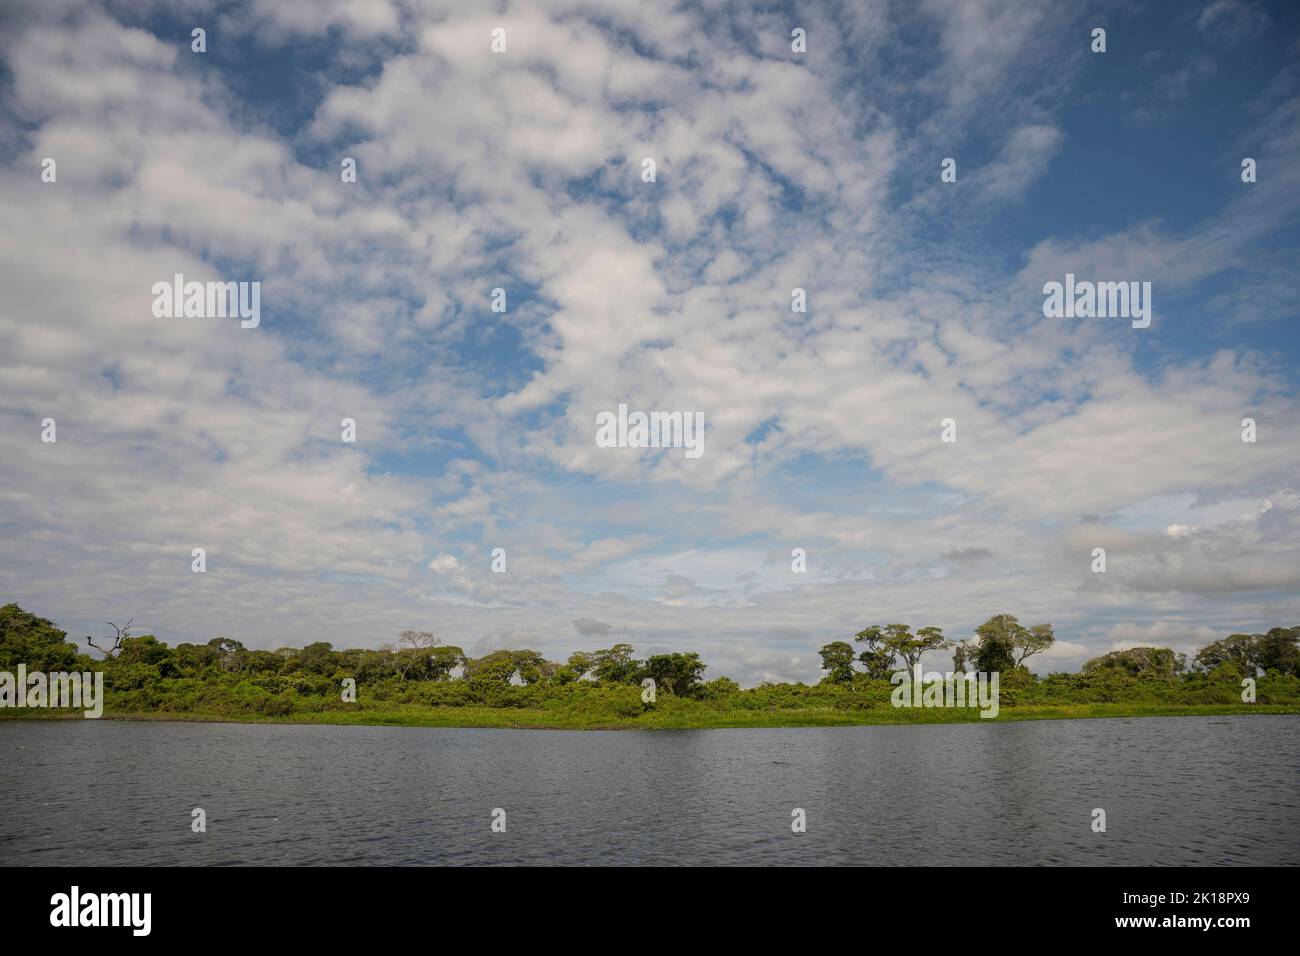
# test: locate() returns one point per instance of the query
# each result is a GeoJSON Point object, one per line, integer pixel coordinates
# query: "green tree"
{"type": "Point", "coordinates": [1236, 649]}
{"type": "Point", "coordinates": [881, 648]}
{"type": "Point", "coordinates": [676, 673]}
{"type": "Point", "coordinates": [316, 658]}
{"type": "Point", "coordinates": [910, 648]}
{"type": "Point", "coordinates": [1251, 653]}
{"type": "Point", "coordinates": [494, 668]}
{"type": "Point", "coordinates": [532, 666]}
{"type": "Point", "coordinates": [996, 644]}
{"type": "Point", "coordinates": [145, 649]}
{"type": "Point", "coordinates": [499, 667]}
{"type": "Point", "coordinates": [578, 665]}
{"type": "Point", "coordinates": [194, 659]}
{"type": "Point", "coordinates": [720, 688]}
{"type": "Point", "coordinates": [262, 662]}
{"type": "Point", "coordinates": [837, 661]}
{"type": "Point", "coordinates": [1279, 650]}
{"type": "Point", "coordinates": [34, 641]}
{"type": "Point", "coordinates": [367, 666]}
{"type": "Point", "coordinates": [888, 641]}
{"type": "Point", "coordinates": [1033, 640]}
{"type": "Point", "coordinates": [615, 664]}
{"type": "Point", "coordinates": [230, 654]}
{"type": "Point", "coordinates": [443, 660]}
{"type": "Point", "coordinates": [1138, 661]}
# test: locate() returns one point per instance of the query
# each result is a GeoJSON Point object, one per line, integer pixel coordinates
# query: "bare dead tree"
{"type": "Point", "coordinates": [122, 634]}
{"type": "Point", "coordinates": [414, 645]}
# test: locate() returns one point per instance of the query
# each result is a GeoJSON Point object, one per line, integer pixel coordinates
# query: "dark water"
{"type": "Point", "coordinates": [1213, 790]}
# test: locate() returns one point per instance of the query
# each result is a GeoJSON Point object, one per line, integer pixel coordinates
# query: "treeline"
{"type": "Point", "coordinates": [1002, 645]}
{"type": "Point", "coordinates": [224, 678]}
{"type": "Point", "coordinates": [143, 663]}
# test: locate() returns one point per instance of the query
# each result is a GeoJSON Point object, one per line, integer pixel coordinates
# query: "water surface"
{"type": "Point", "coordinates": [1206, 790]}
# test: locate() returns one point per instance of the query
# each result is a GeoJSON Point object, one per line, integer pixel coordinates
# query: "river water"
{"type": "Point", "coordinates": [1203, 790]}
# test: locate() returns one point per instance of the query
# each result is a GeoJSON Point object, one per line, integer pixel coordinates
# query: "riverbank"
{"type": "Point", "coordinates": [679, 718]}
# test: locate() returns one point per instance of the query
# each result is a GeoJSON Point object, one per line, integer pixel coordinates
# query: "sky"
{"type": "Point", "coordinates": [774, 170]}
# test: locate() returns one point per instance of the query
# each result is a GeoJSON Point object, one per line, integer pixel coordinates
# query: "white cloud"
{"type": "Point", "coordinates": [444, 564]}
{"type": "Point", "coordinates": [523, 170]}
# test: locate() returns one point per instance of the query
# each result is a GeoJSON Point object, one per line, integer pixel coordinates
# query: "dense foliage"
{"type": "Point", "coordinates": [419, 675]}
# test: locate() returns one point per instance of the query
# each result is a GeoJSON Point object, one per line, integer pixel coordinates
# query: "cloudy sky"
{"type": "Point", "coordinates": [775, 170]}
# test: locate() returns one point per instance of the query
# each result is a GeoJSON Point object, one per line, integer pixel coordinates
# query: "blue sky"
{"type": "Point", "coordinates": [775, 170]}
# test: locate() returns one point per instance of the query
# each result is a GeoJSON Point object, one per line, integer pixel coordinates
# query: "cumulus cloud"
{"type": "Point", "coordinates": [775, 171]}
{"type": "Point", "coordinates": [445, 564]}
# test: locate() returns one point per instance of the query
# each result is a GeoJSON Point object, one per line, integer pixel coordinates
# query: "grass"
{"type": "Point", "coordinates": [679, 717]}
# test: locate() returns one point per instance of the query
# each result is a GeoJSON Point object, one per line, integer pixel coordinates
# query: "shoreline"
{"type": "Point", "coordinates": [514, 719]}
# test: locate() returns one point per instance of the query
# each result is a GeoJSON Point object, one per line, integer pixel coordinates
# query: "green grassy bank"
{"type": "Point", "coordinates": [425, 684]}
{"type": "Point", "coordinates": [678, 715]}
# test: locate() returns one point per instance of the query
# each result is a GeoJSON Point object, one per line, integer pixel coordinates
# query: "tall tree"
{"type": "Point", "coordinates": [878, 658]}
{"type": "Point", "coordinates": [887, 641]}
{"type": "Point", "coordinates": [995, 651]}
{"type": "Point", "coordinates": [926, 639]}
{"type": "Point", "coordinates": [1033, 640]}
{"type": "Point", "coordinates": [837, 661]}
